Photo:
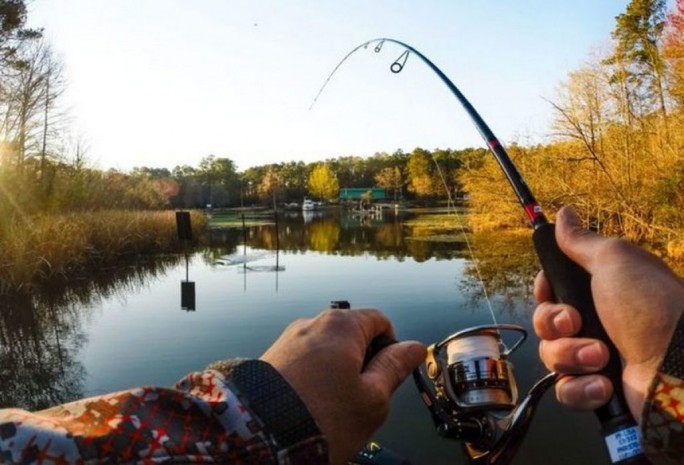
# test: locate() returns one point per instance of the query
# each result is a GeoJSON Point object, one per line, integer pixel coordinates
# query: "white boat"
{"type": "Point", "coordinates": [308, 205]}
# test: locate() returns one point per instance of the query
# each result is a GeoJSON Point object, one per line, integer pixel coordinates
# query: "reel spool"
{"type": "Point", "coordinates": [476, 373]}
{"type": "Point", "coordinates": [467, 384]}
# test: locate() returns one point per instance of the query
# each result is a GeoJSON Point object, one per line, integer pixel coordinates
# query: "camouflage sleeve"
{"type": "Point", "coordinates": [663, 416]}
{"type": "Point", "coordinates": [234, 413]}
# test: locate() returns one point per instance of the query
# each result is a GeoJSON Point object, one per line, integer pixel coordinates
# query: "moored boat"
{"type": "Point", "coordinates": [308, 205]}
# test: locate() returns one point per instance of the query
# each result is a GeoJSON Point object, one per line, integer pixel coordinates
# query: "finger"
{"type": "Point", "coordinates": [553, 321]}
{"type": "Point", "coordinates": [542, 288]}
{"type": "Point", "coordinates": [372, 323]}
{"type": "Point", "coordinates": [587, 392]}
{"type": "Point", "coordinates": [573, 355]}
{"type": "Point", "coordinates": [580, 244]}
{"type": "Point", "coordinates": [392, 365]}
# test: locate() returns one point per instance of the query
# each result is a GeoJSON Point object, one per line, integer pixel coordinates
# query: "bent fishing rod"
{"type": "Point", "coordinates": [467, 382]}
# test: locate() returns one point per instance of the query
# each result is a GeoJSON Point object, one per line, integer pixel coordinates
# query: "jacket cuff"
{"type": "Point", "coordinates": [663, 415]}
{"type": "Point", "coordinates": [293, 434]}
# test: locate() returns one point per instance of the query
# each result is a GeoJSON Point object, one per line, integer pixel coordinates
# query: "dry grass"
{"type": "Point", "coordinates": [37, 248]}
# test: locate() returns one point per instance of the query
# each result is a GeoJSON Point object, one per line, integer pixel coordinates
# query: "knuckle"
{"type": "Point", "coordinates": [296, 324]}
{"type": "Point", "coordinates": [612, 248]}
{"type": "Point", "coordinates": [543, 355]}
{"type": "Point", "coordinates": [540, 316]}
{"type": "Point", "coordinates": [333, 314]}
{"type": "Point", "coordinates": [564, 392]}
{"type": "Point", "coordinates": [299, 327]}
{"type": "Point", "coordinates": [554, 354]}
{"type": "Point", "coordinates": [542, 320]}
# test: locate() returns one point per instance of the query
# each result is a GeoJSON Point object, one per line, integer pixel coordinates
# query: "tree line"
{"type": "Point", "coordinates": [420, 174]}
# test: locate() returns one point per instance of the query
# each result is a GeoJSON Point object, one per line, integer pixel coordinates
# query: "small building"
{"type": "Point", "coordinates": [353, 194]}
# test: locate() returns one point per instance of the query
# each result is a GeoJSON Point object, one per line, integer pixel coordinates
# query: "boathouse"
{"type": "Point", "coordinates": [358, 193]}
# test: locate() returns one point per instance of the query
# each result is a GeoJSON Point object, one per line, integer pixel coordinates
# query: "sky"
{"type": "Point", "coordinates": [161, 83]}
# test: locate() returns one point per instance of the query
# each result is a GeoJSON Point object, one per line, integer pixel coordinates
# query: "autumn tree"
{"type": "Point", "coordinates": [613, 122]}
{"type": "Point", "coordinates": [268, 186]}
{"type": "Point", "coordinates": [445, 177]}
{"type": "Point", "coordinates": [419, 173]}
{"type": "Point", "coordinates": [323, 182]}
{"type": "Point", "coordinates": [491, 203]}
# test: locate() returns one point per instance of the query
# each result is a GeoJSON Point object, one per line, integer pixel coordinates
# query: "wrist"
{"type": "Point", "coordinates": [294, 435]}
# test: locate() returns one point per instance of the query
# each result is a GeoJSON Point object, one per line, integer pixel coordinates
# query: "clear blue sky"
{"type": "Point", "coordinates": [166, 82]}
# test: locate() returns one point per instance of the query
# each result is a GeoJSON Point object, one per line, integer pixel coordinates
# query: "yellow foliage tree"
{"type": "Point", "coordinates": [323, 183]}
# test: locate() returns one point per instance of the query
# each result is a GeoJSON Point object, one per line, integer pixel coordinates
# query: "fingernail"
{"type": "Point", "coordinates": [590, 356]}
{"type": "Point", "coordinates": [563, 324]}
{"type": "Point", "coordinates": [595, 390]}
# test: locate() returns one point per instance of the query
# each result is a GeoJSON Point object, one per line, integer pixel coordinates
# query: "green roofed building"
{"type": "Point", "coordinates": [357, 193]}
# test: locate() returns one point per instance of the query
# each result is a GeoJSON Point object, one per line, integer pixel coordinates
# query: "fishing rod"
{"type": "Point", "coordinates": [467, 382]}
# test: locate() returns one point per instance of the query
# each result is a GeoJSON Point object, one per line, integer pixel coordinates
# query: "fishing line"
{"type": "Point", "coordinates": [461, 226]}
{"type": "Point", "coordinates": [473, 347]}
{"type": "Point", "coordinates": [325, 83]}
{"type": "Point", "coordinates": [396, 67]}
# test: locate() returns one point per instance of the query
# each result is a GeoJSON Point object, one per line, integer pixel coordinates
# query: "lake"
{"type": "Point", "coordinates": [127, 327]}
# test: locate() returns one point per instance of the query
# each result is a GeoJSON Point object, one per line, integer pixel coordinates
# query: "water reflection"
{"type": "Point", "coordinates": [122, 328]}
{"type": "Point", "coordinates": [41, 333]}
{"type": "Point", "coordinates": [504, 261]}
{"type": "Point", "coordinates": [507, 264]}
{"type": "Point", "coordinates": [188, 301]}
{"type": "Point", "coordinates": [382, 236]}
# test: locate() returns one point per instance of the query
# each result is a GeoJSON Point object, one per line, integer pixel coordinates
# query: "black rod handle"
{"type": "Point", "coordinates": [571, 284]}
{"type": "Point", "coordinates": [377, 344]}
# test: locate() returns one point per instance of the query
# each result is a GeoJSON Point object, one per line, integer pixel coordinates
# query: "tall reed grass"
{"type": "Point", "coordinates": [37, 248]}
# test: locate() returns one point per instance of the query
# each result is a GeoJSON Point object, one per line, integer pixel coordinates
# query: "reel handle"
{"type": "Point", "coordinates": [571, 284]}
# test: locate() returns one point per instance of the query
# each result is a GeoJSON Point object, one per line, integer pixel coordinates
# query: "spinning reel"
{"type": "Point", "coordinates": [468, 386]}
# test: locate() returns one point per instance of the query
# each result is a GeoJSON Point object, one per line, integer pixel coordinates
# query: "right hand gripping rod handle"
{"type": "Point", "coordinates": [571, 284]}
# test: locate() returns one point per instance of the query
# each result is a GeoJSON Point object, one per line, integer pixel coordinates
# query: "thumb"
{"type": "Point", "coordinates": [392, 365]}
{"type": "Point", "coordinates": [578, 243]}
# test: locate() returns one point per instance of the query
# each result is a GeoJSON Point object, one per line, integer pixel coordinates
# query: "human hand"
{"type": "Point", "coordinates": [322, 359]}
{"type": "Point", "coordinates": [638, 300]}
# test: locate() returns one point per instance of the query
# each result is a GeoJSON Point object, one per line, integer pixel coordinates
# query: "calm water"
{"type": "Point", "coordinates": [126, 327]}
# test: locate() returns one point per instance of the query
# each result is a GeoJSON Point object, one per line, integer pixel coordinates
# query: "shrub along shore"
{"type": "Point", "coordinates": [38, 248]}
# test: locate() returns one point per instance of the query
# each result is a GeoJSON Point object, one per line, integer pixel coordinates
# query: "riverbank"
{"type": "Point", "coordinates": [38, 248]}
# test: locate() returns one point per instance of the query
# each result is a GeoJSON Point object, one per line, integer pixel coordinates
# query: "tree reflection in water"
{"type": "Point", "coordinates": [506, 259]}
{"type": "Point", "coordinates": [507, 264]}
{"type": "Point", "coordinates": [42, 332]}
{"type": "Point", "coordinates": [338, 234]}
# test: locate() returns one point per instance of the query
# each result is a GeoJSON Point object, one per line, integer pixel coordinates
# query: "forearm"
{"type": "Point", "coordinates": [230, 413]}
{"type": "Point", "coordinates": [663, 414]}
